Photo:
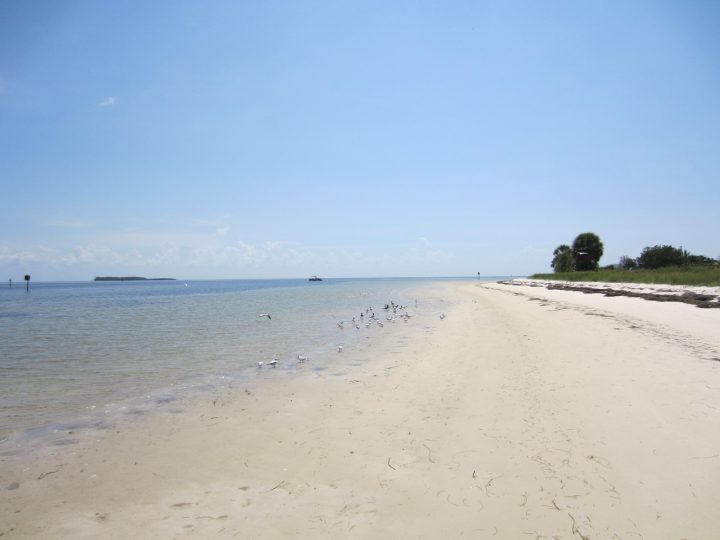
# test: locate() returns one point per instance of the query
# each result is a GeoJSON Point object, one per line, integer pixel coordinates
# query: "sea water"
{"type": "Point", "coordinates": [73, 355]}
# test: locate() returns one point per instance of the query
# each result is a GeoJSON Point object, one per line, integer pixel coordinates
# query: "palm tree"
{"type": "Point", "coordinates": [587, 249]}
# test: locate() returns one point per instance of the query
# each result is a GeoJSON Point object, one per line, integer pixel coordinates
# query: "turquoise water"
{"type": "Point", "coordinates": [74, 354]}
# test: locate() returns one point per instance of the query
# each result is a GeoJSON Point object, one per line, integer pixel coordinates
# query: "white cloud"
{"type": "Point", "coordinates": [213, 255]}
{"type": "Point", "coordinates": [108, 101]}
{"type": "Point", "coordinates": [89, 254]}
{"type": "Point", "coordinates": [8, 255]}
{"type": "Point", "coordinates": [139, 251]}
{"type": "Point", "coordinates": [167, 255]}
{"type": "Point", "coordinates": [220, 224]}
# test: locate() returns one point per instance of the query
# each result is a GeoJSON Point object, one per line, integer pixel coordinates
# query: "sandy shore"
{"type": "Point", "coordinates": [524, 413]}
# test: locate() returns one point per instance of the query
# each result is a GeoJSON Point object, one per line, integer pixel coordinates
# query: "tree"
{"type": "Point", "coordinates": [627, 263]}
{"type": "Point", "coordinates": [661, 257]}
{"type": "Point", "coordinates": [563, 259]}
{"type": "Point", "coordinates": [587, 250]}
{"type": "Point", "coordinates": [700, 260]}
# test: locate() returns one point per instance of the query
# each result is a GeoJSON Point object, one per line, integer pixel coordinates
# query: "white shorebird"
{"type": "Point", "coordinates": [273, 362]}
{"type": "Point", "coordinates": [340, 324]}
{"type": "Point", "coordinates": [261, 363]}
{"type": "Point", "coordinates": [265, 315]}
{"type": "Point", "coordinates": [301, 358]}
{"type": "Point", "coordinates": [340, 348]}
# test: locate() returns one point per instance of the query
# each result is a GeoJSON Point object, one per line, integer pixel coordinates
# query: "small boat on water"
{"type": "Point", "coordinates": [315, 278]}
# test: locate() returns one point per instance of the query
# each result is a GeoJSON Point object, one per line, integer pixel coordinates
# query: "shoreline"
{"type": "Point", "coordinates": [523, 411]}
{"type": "Point", "coordinates": [197, 363]}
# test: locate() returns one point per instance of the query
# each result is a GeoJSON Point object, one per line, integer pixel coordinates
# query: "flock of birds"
{"type": "Point", "coordinates": [366, 317]}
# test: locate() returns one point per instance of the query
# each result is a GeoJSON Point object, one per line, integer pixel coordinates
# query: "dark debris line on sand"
{"type": "Point", "coordinates": [696, 299]}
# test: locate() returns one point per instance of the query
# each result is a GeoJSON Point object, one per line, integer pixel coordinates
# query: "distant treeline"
{"type": "Point", "coordinates": [655, 264]}
{"type": "Point", "coordinates": [663, 257]}
{"type": "Point", "coordinates": [586, 250]}
{"type": "Point", "coordinates": [132, 278]}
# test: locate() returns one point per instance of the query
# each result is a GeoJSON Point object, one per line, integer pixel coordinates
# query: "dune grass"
{"type": "Point", "coordinates": [700, 275]}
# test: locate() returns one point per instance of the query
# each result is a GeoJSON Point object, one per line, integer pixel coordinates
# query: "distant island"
{"type": "Point", "coordinates": [132, 278]}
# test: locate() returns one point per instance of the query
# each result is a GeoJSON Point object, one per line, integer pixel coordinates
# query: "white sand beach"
{"type": "Point", "coordinates": [524, 413]}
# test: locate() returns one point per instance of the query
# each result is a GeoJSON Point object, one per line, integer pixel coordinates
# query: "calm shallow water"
{"type": "Point", "coordinates": [74, 353]}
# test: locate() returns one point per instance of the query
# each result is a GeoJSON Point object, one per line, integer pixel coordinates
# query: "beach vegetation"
{"type": "Point", "coordinates": [660, 264]}
{"type": "Point", "coordinates": [661, 257]}
{"type": "Point", "coordinates": [563, 259]}
{"type": "Point", "coordinates": [587, 249]}
{"type": "Point", "coordinates": [626, 263]}
{"type": "Point", "coordinates": [702, 275]}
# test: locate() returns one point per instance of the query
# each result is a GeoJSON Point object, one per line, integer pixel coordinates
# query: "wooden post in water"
{"type": "Point", "coordinates": [27, 282]}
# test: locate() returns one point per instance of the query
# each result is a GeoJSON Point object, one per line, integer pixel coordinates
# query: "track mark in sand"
{"type": "Point", "coordinates": [365, 506]}
{"type": "Point", "coordinates": [447, 497]}
{"type": "Point", "coordinates": [597, 314]}
{"type": "Point", "coordinates": [43, 475]}
{"type": "Point", "coordinates": [430, 459]}
{"type": "Point", "coordinates": [488, 484]}
{"type": "Point", "coordinates": [575, 530]}
{"type": "Point", "coordinates": [181, 505]}
{"type": "Point", "coordinates": [388, 464]}
{"type": "Point", "coordinates": [277, 486]}
{"type": "Point", "coordinates": [714, 456]}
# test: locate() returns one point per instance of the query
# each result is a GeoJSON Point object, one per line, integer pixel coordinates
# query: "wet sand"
{"type": "Point", "coordinates": [525, 412]}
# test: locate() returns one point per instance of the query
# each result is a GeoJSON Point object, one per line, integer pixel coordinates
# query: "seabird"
{"type": "Point", "coordinates": [301, 358]}
{"type": "Point", "coordinates": [265, 315]}
{"type": "Point", "coordinates": [339, 348]}
{"type": "Point", "coordinates": [273, 362]}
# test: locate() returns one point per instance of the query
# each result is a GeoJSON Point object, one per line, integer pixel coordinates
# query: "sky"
{"type": "Point", "coordinates": [270, 139]}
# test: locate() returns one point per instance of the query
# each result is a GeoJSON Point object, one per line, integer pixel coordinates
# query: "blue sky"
{"type": "Point", "coordinates": [283, 139]}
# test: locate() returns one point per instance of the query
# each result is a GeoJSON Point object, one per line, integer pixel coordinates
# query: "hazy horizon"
{"type": "Point", "coordinates": [20, 281]}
